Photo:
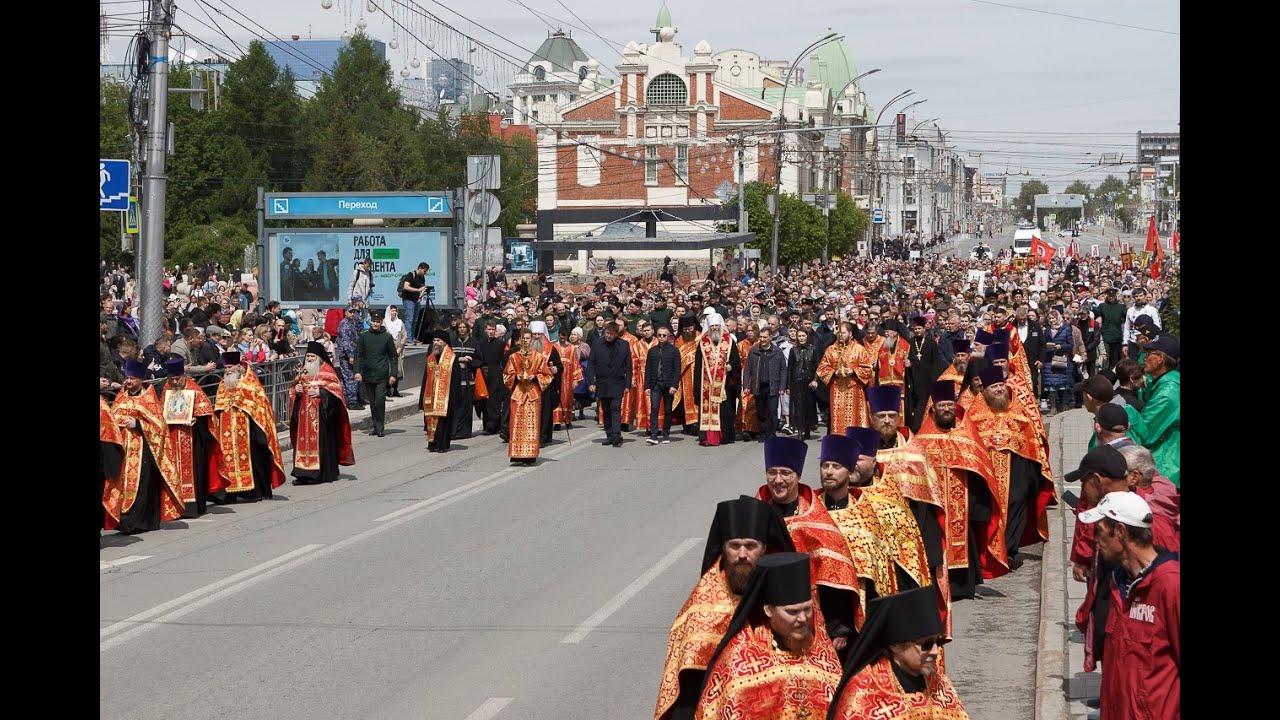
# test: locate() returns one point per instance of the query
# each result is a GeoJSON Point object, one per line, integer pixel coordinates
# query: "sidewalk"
{"type": "Point", "coordinates": [1062, 686]}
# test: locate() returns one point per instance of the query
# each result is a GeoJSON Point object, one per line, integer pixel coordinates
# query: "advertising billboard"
{"type": "Point", "coordinates": [315, 267]}
{"type": "Point", "coordinates": [520, 257]}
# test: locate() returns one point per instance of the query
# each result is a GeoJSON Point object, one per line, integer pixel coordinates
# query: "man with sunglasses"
{"type": "Point", "coordinates": [895, 665]}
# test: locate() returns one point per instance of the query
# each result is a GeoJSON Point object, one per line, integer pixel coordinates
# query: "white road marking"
{"type": "Point", "coordinates": [489, 708]}
{"type": "Point", "coordinates": [476, 486]}
{"type": "Point", "coordinates": [629, 591]}
{"type": "Point", "coordinates": [191, 520]}
{"type": "Point", "coordinates": [108, 564]}
{"type": "Point", "coordinates": [137, 624]}
{"type": "Point", "coordinates": [196, 599]}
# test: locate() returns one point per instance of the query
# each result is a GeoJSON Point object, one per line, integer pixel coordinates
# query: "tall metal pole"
{"type": "Point", "coordinates": [742, 198]}
{"type": "Point", "coordinates": [151, 244]}
{"type": "Point", "coordinates": [826, 208]}
{"type": "Point", "coordinates": [777, 152]}
{"type": "Point", "coordinates": [264, 289]}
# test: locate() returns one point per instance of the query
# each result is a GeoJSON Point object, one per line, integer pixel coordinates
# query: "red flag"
{"type": "Point", "coordinates": [1071, 249]}
{"type": "Point", "coordinates": [1153, 238]}
{"type": "Point", "coordinates": [1042, 250]}
{"type": "Point", "coordinates": [1159, 250]}
{"type": "Point", "coordinates": [1175, 240]}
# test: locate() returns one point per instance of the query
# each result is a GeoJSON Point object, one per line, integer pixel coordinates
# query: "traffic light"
{"type": "Point", "coordinates": [902, 127]}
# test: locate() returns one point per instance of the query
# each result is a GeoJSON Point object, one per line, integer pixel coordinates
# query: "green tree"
{"type": "Point", "coordinates": [222, 241]}
{"type": "Point", "coordinates": [360, 87]}
{"type": "Point", "coordinates": [263, 109]}
{"type": "Point", "coordinates": [848, 223]}
{"type": "Point", "coordinates": [1027, 197]}
{"type": "Point", "coordinates": [345, 161]}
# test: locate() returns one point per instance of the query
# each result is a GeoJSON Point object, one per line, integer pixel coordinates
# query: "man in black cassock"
{"type": "Point", "coordinates": [491, 357]}
{"type": "Point", "coordinates": [924, 364]}
{"type": "Point", "coordinates": [551, 395]}
{"type": "Point", "coordinates": [466, 352]}
{"type": "Point", "coordinates": [149, 496]}
{"type": "Point", "coordinates": [322, 440]}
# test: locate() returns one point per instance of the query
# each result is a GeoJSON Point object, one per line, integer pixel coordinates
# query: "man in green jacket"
{"type": "Point", "coordinates": [375, 356]}
{"type": "Point", "coordinates": [1112, 314]}
{"type": "Point", "coordinates": [1162, 413]}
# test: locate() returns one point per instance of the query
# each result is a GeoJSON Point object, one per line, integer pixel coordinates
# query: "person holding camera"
{"type": "Point", "coordinates": [413, 287]}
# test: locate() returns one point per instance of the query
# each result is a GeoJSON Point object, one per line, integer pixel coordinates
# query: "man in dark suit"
{"type": "Point", "coordinates": [609, 374]}
{"type": "Point", "coordinates": [661, 376]}
{"type": "Point", "coordinates": [1032, 344]}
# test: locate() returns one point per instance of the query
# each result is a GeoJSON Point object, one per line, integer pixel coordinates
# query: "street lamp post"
{"type": "Point", "coordinates": [826, 206]}
{"type": "Point", "coordinates": [777, 153]}
{"type": "Point", "coordinates": [875, 156]}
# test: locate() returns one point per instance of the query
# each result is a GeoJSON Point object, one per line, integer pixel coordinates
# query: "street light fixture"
{"type": "Point", "coordinates": [922, 122]}
{"type": "Point", "coordinates": [875, 153]}
{"type": "Point", "coordinates": [777, 152]}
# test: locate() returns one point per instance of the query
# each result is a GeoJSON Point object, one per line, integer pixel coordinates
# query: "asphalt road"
{"type": "Point", "coordinates": [1092, 235]}
{"type": "Point", "coordinates": [456, 587]}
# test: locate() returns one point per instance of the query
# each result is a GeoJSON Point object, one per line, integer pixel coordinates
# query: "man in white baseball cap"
{"type": "Point", "coordinates": [1141, 670]}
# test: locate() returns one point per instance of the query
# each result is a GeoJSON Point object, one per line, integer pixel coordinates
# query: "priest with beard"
{"type": "Point", "coordinates": [775, 660]}
{"type": "Point", "coordinates": [895, 670]}
{"type": "Point", "coordinates": [686, 401]}
{"type": "Point", "coordinates": [550, 394]}
{"type": "Point", "coordinates": [924, 363]}
{"type": "Point", "coordinates": [441, 388]}
{"type": "Point", "coordinates": [742, 531]}
{"type": "Point", "coordinates": [251, 462]}
{"type": "Point", "coordinates": [718, 383]}
{"type": "Point", "coordinates": [891, 360]}
{"type": "Point", "coordinates": [1020, 457]}
{"type": "Point", "coordinates": [883, 536]}
{"type": "Point", "coordinates": [813, 532]}
{"type": "Point", "coordinates": [319, 428]}
{"type": "Point", "coordinates": [964, 466]}
{"type": "Point", "coordinates": [846, 367]}
{"type": "Point", "coordinates": [148, 494]}
{"type": "Point", "coordinates": [110, 453]}
{"type": "Point", "coordinates": [903, 463]}
{"type": "Point", "coordinates": [196, 455]}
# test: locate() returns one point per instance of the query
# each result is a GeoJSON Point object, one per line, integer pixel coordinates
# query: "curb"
{"type": "Point", "coordinates": [1051, 655]}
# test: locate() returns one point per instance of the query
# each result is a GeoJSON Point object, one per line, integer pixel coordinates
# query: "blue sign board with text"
{"type": "Point", "coordinates": [312, 206]}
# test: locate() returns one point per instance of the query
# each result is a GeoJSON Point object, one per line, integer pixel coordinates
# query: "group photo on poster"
{"type": "Point", "coordinates": [309, 268]}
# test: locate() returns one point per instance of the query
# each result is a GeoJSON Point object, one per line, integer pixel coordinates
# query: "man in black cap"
{"type": "Point", "coordinates": [1102, 470]}
{"type": "Point", "coordinates": [196, 455]}
{"type": "Point", "coordinates": [924, 363]}
{"type": "Point", "coordinates": [375, 356]}
{"type": "Point", "coordinates": [894, 664]}
{"type": "Point", "coordinates": [774, 660]}
{"type": "Point", "coordinates": [686, 401]}
{"type": "Point", "coordinates": [319, 428]}
{"type": "Point", "coordinates": [1098, 393]}
{"type": "Point", "coordinates": [1020, 456]}
{"type": "Point", "coordinates": [742, 532]}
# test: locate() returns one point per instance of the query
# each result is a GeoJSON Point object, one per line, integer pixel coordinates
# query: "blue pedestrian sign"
{"type": "Point", "coordinates": [877, 216]}
{"type": "Point", "coordinates": [312, 206]}
{"type": "Point", "coordinates": [113, 185]}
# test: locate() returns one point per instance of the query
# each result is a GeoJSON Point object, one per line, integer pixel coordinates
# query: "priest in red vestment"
{"type": "Point", "coordinates": [1020, 457]}
{"type": "Point", "coordinates": [955, 373]}
{"type": "Point", "coordinates": [148, 493]}
{"type": "Point", "coordinates": [891, 360]}
{"type": "Point", "coordinates": [319, 428]}
{"type": "Point", "coordinates": [685, 402]}
{"type": "Point", "coordinates": [775, 661]}
{"type": "Point", "coordinates": [895, 670]}
{"type": "Point", "coordinates": [813, 532]}
{"type": "Point", "coordinates": [441, 391]}
{"type": "Point", "coordinates": [111, 451]}
{"type": "Point", "coordinates": [718, 373]}
{"type": "Point", "coordinates": [963, 464]}
{"type": "Point", "coordinates": [527, 375]}
{"type": "Point", "coordinates": [196, 456]}
{"type": "Point", "coordinates": [251, 462]}
{"type": "Point", "coordinates": [742, 531]}
{"type": "Point", "coordinates": [846, 368]}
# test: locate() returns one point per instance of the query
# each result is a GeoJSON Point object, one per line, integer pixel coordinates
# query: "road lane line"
{"type": "Point", "coordinates": [196, 594]}
{"type": "Point", "coordinates": [489, 708]}
{"type": "Point", "coordinates": [629, 591]}
{"type": "Point", "coordinates": [108, 564]}
{"type": "Point", "coordinates": [466, 490]}
{"type": "Point", "coordinates": [196, 599]}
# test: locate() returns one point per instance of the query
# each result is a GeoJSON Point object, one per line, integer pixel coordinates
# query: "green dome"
{"type": "Point", "coordinates": [664, 17]}
{"type": "Point", "coordinates": [832, 66]}
{"type": "Point", "coordinates": [560, 50]}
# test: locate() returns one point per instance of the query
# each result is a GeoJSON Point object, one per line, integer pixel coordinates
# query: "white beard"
{"type": "Point", "coordinates": [312, 368]}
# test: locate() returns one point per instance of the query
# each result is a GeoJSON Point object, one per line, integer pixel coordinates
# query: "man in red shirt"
{"type": "Point", "coordinates": [1141, 677]}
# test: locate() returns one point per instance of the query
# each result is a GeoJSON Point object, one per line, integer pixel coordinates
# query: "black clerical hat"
{"type": "Point", "coordinates": [746, 517]}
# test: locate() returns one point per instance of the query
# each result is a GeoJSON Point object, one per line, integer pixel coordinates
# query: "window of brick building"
{"type": "Point", "coordinates": [667, 90]}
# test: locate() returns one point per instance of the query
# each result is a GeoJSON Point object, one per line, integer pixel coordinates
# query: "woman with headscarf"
{"type": "Point", "coordinates": [1058, 378]}
{"type": "Point", "coordinates": [395, 327]}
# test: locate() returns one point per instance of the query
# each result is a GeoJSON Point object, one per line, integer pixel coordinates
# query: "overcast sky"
{"type": "Point", "coordinates": [1020, 87]}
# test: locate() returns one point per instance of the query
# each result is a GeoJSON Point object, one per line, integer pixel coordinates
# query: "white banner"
{"type": "Point", "coordinates": [1041, 283]}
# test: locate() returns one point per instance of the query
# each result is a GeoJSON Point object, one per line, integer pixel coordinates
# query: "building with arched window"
{"type": "Point", "coordinates": [549, 81]}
